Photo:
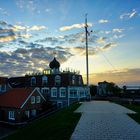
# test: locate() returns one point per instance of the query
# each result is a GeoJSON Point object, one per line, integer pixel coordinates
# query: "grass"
{"type": "Point", "coordinates": [58, 126]}
{"type": "Point", "coordinates": [134, 107]}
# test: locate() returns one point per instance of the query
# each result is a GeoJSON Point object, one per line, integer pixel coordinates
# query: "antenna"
{"type": "Point", "coordinates": [86, 34]}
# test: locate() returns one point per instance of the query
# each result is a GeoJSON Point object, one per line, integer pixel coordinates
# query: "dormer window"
{"type": "Point", "coordinates": [73, 79]}
{"type": "Point", "coordinates": [33, 81]}
{"type": "Point", "coordinates": [44, 80]}
{"type": "Point", "coordinates": [57, 80]}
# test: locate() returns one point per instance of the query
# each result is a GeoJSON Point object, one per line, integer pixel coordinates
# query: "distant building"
{"type": "Point", "coordinates": [102, 88]}
{"type": "Point", "coordinates": [18, 104]}
{"type": "Point", "coordinates": [131, 89]}
{"type": "Point", "coordinates": [60, 87]}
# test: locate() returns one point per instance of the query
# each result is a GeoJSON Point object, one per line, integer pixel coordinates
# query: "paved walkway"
{"type": "Point", "coordinates": [102, 120]}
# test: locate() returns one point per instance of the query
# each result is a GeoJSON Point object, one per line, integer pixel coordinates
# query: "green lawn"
{"type": "Point", "coordinates": [135, 108]}
{"type": "Point", "coordinates": [58, 126]}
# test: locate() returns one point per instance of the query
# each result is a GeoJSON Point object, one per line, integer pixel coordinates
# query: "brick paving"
{"type": "Point", "coordinates": [102, 120]}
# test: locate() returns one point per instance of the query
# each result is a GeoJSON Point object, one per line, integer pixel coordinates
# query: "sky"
{"type": "Point", "coordinates": [32, 32]}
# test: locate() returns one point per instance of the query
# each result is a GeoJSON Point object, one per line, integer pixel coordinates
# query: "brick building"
{"type": "Point", "coordinates": [18, 104]}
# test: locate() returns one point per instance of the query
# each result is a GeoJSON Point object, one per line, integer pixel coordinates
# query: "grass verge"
{"type": "Point", "coordinates": [134, 107]}
{"type": "Point", "coordinates": [58, 126]}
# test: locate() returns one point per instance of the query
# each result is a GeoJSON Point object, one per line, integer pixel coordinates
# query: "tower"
{"type": "Point", "coordinates": [54, 65]}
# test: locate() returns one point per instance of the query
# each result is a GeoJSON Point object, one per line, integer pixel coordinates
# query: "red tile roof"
{"type": "Point", "coordinates": [14, 97]}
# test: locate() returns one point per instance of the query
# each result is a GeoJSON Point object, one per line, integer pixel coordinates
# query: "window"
{"type": "Point", "coordinates": [54, 92]}
{"type": "Point", "coordinates": [45, 90]}
{"type": "Point", "coordinates": [62, 92]}
{"type": "Point", "coordinates": [73, 93]}
{"type": "Point", "coordinates": [44, 80]}
{"type": "Point", "coordinates": [33, 81]}
{"type": "Point", "coordinates": [57, 80]}
{"type": "Point", "coordinates": [33, 112]}
{"type": "Point", "coordinates": [82, 93]}
{"type": "Point", "coordinates": [38, 99]}
{"type": "Point", "coordinates": [73, 79]}
{"type": "Point", "coordinates": [27, 113]}
{"type": "Point", "coordinates": [11, 115]}
{"type": "Point", "coordinates": [3, 88]}
{"type": "Point", "coordinates": [33, 100]}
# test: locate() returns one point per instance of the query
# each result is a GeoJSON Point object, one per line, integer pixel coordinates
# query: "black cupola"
{"type": "Point", "coordinates": [54, 64]}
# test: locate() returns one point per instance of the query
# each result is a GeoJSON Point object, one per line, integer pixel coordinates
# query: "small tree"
{"type": "Point", "coordinates": [113, 88]}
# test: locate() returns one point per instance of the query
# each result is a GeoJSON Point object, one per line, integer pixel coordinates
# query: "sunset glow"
{"type": "Point", "coordinates": [32, 32]}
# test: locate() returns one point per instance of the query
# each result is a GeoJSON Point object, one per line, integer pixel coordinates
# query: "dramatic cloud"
{"type": "Point", "coordinates": [81, 25]}
{"type": "Point", "coordinates": [7, 38]}
{"type": "Point", "coordinates": [101, 40]}
{"type": "Point", "coordinates": [10, 32]}
{"type": "Point", "coordinates": [71, 39]}
{"type": "Point", "coordinates": [11, 37]}
{"type": "Point", "coordinates": [104, 32]}
{"type": "Point", "coordinates": [117, 36]}
{"type": "Point", "coordinates": [103, 21]}
{"type": "Point", "coordinates": [128, 15]}
{"type": "Point", "coordinates": [117, 30]}
{"type": "Point", "coordinates": [21, 61]}
{"type": "Point", "coordinates": [121, 77]}
{"type": "Point", "coordinates": [109, 45]}
{"type": "Point", "coordinates": [82, 50]}
{"type": "Point", "coordinates": [27, 28]}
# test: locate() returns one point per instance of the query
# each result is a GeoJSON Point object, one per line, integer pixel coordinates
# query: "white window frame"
{"type": "Point", "coordinates": [45, 89]}
{"type": "Point", "coordinates": [44, 78]}
{"type": "Point", "coordinates": [60, 92]}
{"type": "Point", "coordinates": [52, 92]}
{"type": "Point", "coordinates": [33, 84]}
{"type": "Point", "coordinates": [57, 80]}
{"type": "Point", "coordinates": [38, 99]}
{"type": "Point", "coordinates": [11, 115]}
{"type": "Point", "coordinates": [32, 99]}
